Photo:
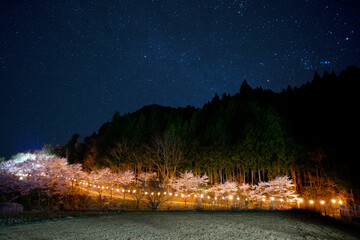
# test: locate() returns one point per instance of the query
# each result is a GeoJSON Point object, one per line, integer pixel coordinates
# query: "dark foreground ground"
{"type": "Point", "coordinates": [186, 225]}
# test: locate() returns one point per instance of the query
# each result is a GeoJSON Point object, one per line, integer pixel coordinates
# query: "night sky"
{"type": "Point", "coordinates": [66, 66]}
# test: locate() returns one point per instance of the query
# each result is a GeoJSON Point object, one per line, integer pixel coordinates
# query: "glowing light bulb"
{"type": "Point", "coordinates": [195, 196]}
{"type": "Point", "coordinates": [182, 195]}
{"type": "Point", "coordinates": [311, 202]}
{"type": "Point", "coordinates": [146, 193]}
{"type": "Point", "coordinates": [215, 198]}
{"type": "Point", "coordinates": [117, 190]}
{"type": "Point", "coordinates": [176, 194]}
{"type": "Point", "coordinates": [170, 194]}
{"type": "Point", "coordinates": [208, 197]}
{"type": "Point", "coordinates": [322, 202]}
{"type": "Point", "coordinates": [281, 200]}
{"type": "Point", "coordinates": [123, 190]}
{"type": "Point", "coordinates": [134, 191]}
{"type": "Point", "coordinates": [237, 198]}
{"type": "Point", "coordinates": [340, 202]}
{"type": "Point", "coordinates": [159, 193]}
{"type": "Point", "coordinates": [333, 201]}
{"type": "Point", "coordinates": [300, 200]}
{"type": "Point", "coordinates": [152, 193]}
{"type": "Point", "coordinates": [272, 198]}
{"type": "Point", "coordinates": [201, 195]}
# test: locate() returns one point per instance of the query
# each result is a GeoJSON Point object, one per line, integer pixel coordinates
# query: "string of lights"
{"type": "Point", "coordinates": [209, 197]}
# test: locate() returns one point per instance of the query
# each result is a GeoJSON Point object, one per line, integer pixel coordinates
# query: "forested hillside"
{"type": "Point", "coordinates": [309, 133]}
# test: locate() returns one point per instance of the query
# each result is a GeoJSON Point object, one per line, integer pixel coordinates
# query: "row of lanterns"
{"type": "Point", "coordinates": [300, 200]}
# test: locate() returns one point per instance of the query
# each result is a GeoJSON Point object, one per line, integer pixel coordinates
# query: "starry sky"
{"type": "Point", "coordinates": [66, 66]}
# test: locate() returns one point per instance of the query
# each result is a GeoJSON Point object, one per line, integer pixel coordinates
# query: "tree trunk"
{"type": "Point", "coordinates": [259, 173]}
{"type": "Point", "coordinates": [252, 177]}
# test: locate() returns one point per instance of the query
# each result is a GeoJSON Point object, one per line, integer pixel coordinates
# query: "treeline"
{"type": "Point", "coordinates": [252, 136]}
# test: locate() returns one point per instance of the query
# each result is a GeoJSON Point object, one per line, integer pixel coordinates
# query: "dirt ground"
{"type": "Point", "coordinates": [185, 225]}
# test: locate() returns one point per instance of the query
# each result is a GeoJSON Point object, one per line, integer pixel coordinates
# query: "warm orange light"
{"type": "Point", "coordinates": [333, 201]}
{"type": "Point", "coordinates": [195, 196]}
{"type": "Point", "coordinates": [272, 198]}
{"type": "Point", "coordinates": [300, 200]}
{"type": "Point", "coordinates": [340, 202]}
{"type": "Point", "coordinates": [208, 197]}
{"type": "Point", "coordinates": [311, 202]}
{"type": "Point", "coordinates": [146, 193]}
{"type": "Point", "coordinates": [281, 200]}
{"type": "Point", "coordinates": [231, 197]}
{"type": "Point", "coordinates": [238, 198]}
{"type": "Point", "coordinates": [170, 194]}
{"type": "Point", "coordinates": [322, 202]}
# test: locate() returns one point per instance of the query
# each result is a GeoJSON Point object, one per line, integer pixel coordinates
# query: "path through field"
{"type": "Point", "coordinates": [183, 225]}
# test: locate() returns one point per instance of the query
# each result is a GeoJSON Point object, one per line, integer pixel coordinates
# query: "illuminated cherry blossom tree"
{"type": "Point", "coordinates": [188, 183]}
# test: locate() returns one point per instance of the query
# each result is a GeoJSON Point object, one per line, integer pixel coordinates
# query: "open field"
{"type": "Point", "coordinates": [186, 225]}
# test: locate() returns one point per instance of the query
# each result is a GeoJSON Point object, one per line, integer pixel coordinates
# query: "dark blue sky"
{"type": "Point", "coordinates": [66, 66]}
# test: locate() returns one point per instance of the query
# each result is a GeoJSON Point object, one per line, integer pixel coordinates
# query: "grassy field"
{"type": "Point", "coordinates": [186, 225]}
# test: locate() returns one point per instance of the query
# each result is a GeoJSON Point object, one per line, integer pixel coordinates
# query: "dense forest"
{"type": "Point", "coordinates": [307, 132]}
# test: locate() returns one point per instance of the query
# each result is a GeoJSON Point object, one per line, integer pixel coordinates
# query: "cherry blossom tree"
{"type": "Point", "coordinates": [188, 183]}
{"type": "Point", "coordinates": [123, 180]}
{"type": "Point", "coordinates": [143, 180]}
{"type": "Point", "coordinates": [100, 179]}
{"type": "Point", "coordinates": [281, 189]}
{"type": "Point", "coordinates": [155, 192]}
